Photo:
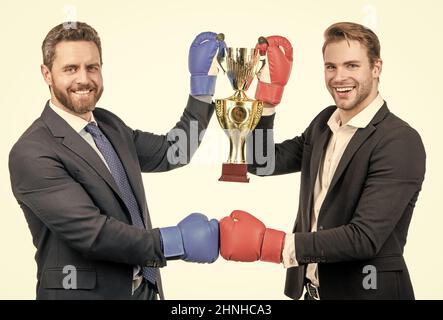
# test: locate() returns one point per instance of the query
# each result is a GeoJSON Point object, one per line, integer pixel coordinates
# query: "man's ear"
{"type": "Point", "coordinates": [376, 70]}
{"type": "Point", "coordinates": [47, 76]}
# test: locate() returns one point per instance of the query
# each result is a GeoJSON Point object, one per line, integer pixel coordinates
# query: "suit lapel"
{"type": "Point", "coordinates": [84, 151]}
{"type": "Point", "coordinates": [318, 151]}
{"type": "Point", "coordinates": [356, 141]}
{"type": "Point", "coordinates": [74, 142]}
{"type": "Point", "coordinates": [319, 148]}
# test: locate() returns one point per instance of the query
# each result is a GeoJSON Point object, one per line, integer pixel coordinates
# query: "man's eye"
{"type": "Point", "coordinates": [70, 69]}
{"type": "Point", "coordinates": [95, 68]}
{"type": "Point", "coordinates": [330, 67]}
{"type": "Point", "coordinates": [353, 66]}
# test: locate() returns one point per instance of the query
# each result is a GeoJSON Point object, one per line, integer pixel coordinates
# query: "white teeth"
{"type": "Point", "coordinates": [346, 89]}
{"type": "Point", "coordinates": [82, 92]}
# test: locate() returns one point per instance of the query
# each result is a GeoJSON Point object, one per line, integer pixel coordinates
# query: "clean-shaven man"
{"type": "Point", "coordinates": [361, 169]}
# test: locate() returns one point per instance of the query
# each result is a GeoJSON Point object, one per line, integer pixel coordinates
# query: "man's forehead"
{"type": "Point", "coordinates": [342, 51]}
{"type": "Point", "coordinates": [77, 51]}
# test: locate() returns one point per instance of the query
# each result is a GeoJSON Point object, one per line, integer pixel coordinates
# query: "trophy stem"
{"type": "Point", "coordinates": [239, 95]}
{"type": "Point", "coordinates": [237, 143]}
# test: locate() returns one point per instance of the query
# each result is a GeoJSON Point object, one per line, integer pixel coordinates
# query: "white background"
{"type": "Point", "coordinates": [145, 47]}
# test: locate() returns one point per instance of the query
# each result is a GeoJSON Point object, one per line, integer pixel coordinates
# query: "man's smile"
{"type": "Point", "coordinates": [343, 92]}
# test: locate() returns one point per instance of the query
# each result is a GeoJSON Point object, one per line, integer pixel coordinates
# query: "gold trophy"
{"type": "Point", "coordinates": [238, 115]}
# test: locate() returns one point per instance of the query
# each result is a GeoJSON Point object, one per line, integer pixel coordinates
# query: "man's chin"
{"type": "Point", "coordinates": [84, 109]}
{"type": "Point", "coordinates": [80, 107]}
{"type": "Point", "coordinates": [344, 104]}
{"type": "Point", "coordinates": [83, 106]}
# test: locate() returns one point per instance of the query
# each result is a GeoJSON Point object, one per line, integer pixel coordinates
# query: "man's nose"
{"type": "Point", "coordinates": [82, 76]}
{"type": "Point", "coordinates": [340, 74]}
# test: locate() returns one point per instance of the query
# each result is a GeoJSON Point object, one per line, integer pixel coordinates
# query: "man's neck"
{"type": "Point", "coordinates": [85, 116]}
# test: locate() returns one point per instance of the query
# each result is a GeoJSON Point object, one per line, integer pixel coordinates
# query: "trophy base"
{"type": "Point", "coordinates": [234, 172]}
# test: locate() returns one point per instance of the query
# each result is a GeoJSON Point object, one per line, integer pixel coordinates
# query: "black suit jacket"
{"type": "Point", "coordinates": [73, 206]}
{"type": "Point", "coordinates": [366, 213]}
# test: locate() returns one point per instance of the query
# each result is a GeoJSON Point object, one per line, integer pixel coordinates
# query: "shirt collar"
{"type": "Point", "coordinates": [77, 123]}
{"type": "Point", "coordinates": [361, 119]}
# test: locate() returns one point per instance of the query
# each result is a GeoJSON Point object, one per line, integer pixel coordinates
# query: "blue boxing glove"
{"type": "Point", "coordinates": [202, 62]}
{"type": "Point", "coordinates": [194, 239]}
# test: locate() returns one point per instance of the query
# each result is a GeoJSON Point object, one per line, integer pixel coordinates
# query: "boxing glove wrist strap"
{"type": "Point", "coordinates": [272, 246]}
{"type": "Point", "coordinates": [268, 92]}
{"type": "Point", "coordinates": [203, 85]}
{"type": "Point", "coordinates": [172, 242]}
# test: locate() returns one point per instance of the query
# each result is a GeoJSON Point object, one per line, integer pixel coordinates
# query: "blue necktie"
{"type": "Point", "coordinates": [121, 179]}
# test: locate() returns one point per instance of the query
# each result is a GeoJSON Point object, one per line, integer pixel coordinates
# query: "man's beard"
{"type": "Point", "coordinates": [76, 105]}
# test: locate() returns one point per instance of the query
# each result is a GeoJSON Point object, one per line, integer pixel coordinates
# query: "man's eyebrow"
{"type": "Point", "coordinates": [72, 65]}
{"type": "Point", "coordinates": [67, 66]}
{"type": "Point", "coordinates": [327, 63]}
{"type": "Point", "coordinates": [352, 62]}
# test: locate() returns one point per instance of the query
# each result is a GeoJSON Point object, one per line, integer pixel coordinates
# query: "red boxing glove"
{"type": "Point", "coordinates": [275, 74]}
{"type": "Point", "coordinates": [245, 238]}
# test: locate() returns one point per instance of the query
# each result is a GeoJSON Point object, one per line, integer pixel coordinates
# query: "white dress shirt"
{"type": "Point", "coordinates": [341, 135]}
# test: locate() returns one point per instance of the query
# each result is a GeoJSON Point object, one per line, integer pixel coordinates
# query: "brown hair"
{"type": "Point", "coordinates": [354, 31]}
{"type": "Point", "coordinates": [68, 31]}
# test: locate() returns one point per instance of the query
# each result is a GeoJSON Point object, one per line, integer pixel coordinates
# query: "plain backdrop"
{"type": "Point", "coordinates": [145, 51]}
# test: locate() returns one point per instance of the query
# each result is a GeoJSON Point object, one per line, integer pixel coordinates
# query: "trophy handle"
{"type": "Point", "coordinates": [257, 115]}
{"type": "Point", "coordinates": [221, 59]}
{"type": "Point", "coordinates": [262, 64]}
